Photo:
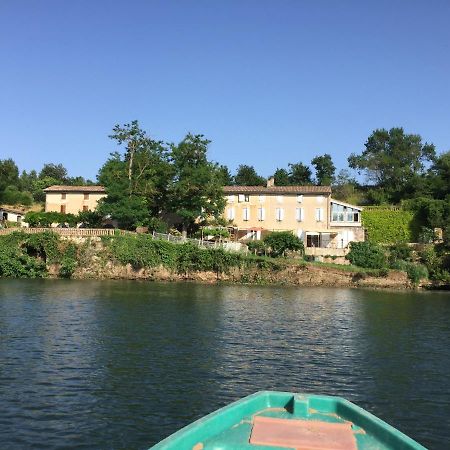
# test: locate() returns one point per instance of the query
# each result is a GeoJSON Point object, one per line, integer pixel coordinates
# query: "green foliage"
{"type": "Point", "coordinates": [437, 261]}
{"type": "Point", "coordinates": [388, 226]}
{"type": "Point", "coordinates": [217, 233]}
{"type": "Point", "coordinates": [393, 161]}
{"type": "Point", "coordinates": [401, 251]}
{"type": "Point", "coordinates": [15, 262]}
{"type": "Point", "coordinates": [45, 219]}
{"type": "Point", "coordinates": [12, 196]}
{"type": "Point", "coordinates": [415, 272]}
{"type": "Point", "coordinates": [43, 245]}
{"type": "Point", "coordinates": [142, 251]}
{"type": "Point", "coordinates": [299, 174]}
{"type": "Point", "coordinates": [247, 176]}
{"type": "Point", "coordinates": [325, 169]}
{"type": "Point", "coordinates": [257, 247]}
{"type": "Point", "coordinates": [90, 219]}
{"type": "Point", "coordinates": [68, 261]}
{"type": "Point", "coordinates": [281, 177]}
{"type": "Point", "coordinates": [195, 190]}
{"type": "Point", "coordinates": [280, 242]}
{"type": "Point", "coordinates": [367, 254]}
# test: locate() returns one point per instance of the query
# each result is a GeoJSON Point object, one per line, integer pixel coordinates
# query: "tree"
{"type": "Point", "coordinates": [56, 171]}
{"type": "Point", "coordinates": [195, 191]}
{"type": "Point", "coordinates": [136, 182]}
{"type": "Point", "coordinates": [300, 174]}
{"type": "Point", "coordinates": [247, 176]}
{"type": "Point", "coordinates": [279, 242]}
{"type": "Point", "coordinates": [393, 160]}
{"type": "Point", "coordinates": [325, 169]}
{"type": "Point", "coordinates": [225, 176]}
{"type": "Point", "coordinates": [345, 188]}
{"type": "Point", "coordinates": [439, 176]}
{"type": "Point", "coordinates": [9, 174]}
{"type": "Point", "coordinates": [281, 177]}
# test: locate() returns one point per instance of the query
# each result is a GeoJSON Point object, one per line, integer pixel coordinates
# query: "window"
{"type": "Point", "coordinates": [243, 198]}
{"type": "Point", "coordinates": [63, 196]}
{"type": "Point", "coordinates": [319, 214]}
{"type": "Point", "coordinates": [85, 208]}
{"type": "Point", "coordinates": [261, 214]}
{"type": "Point", "coordinates": [279, 199]}
{"type": "Point", "coordinates": [246, 214]}
{"type": "Point", "coordinates": [230, 213]}
{"type": "Point", "coordinates": [279, 214]}
{"type": "Point", "coordinates": [341, 213]}
{"type": "Point", "coordinates": [86, 196]}
{"type": "Point", "coordinates": [246, 198]}
{"type": "Point", "coordinates": [300, 233]}
{"type": "Point", "coordinates": [299, 198]}
{"type": "Point", "coordinates": [231, 199]}
{"type": "Point", "coordinates": [63, 209]}
{"type": "Point", "coordinates": [299, 214]}
{"type": "Point", "coordinates": [312, 240]}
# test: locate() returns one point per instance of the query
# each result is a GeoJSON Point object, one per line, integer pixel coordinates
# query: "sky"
{"type": "Point", "coordinates": [268, 82]}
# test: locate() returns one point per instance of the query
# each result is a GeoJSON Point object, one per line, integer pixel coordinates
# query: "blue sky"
{"type": "Point", "coordinates": [269, 82]}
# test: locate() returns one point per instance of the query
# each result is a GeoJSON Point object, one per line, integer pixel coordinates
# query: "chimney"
{"type": "Point", "coordinates": [271, 182]}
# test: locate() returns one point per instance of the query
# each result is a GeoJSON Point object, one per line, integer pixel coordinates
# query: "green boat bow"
{"type": "Point", "coordinates": [280, 420]}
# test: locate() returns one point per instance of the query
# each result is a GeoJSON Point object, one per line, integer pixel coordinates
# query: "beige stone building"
{"type": "Point", "coordinates": [72, 199]}
{"type": "Point", "coordinates": [308, 211]}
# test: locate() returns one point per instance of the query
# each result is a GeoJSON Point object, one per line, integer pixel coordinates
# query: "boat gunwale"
{"type": "Point", "coordinates": [374, 422]}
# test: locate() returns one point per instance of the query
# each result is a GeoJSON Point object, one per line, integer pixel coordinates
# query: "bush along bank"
{"type": "Point", "coordinates": [431, 262]}
{"type": "Point", "coordinates": [141, 257]}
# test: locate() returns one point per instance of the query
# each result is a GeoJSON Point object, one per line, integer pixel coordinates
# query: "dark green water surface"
{"type": "Point", "coordinates": [120, 365]}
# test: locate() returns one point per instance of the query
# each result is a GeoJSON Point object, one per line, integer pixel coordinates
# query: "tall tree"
{"type": "Point", "coordinates": [195, 191]}
{"type": "Point", "coordinates": [136, 182]}
{"type": "Point", "coordinates": [300, 174]}
{"type": "Point", "coordinates": [135, 139]}
{"type": "Point", "coordinates": [393, 160]}
{"type": "Point", "coordinates": [9, 174]}
{"type": "Point", "coordinates": [247, 176]}
{"type": "Point", "coordinates": [56, 171]}
{"type": "Point", "coordinates": [325, 169]}
{"type": "Point", "coordinates": [225, 176]}
{"type": "Point", "coordinates": [281, 177]}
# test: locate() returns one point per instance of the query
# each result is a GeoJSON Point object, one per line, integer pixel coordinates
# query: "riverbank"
{"type": "Point", "coordinates": [306, 274]}
{"type": "Point", "coordinates": [139, 257]}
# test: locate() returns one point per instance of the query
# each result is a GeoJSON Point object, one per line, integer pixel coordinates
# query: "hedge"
{"type": "Point", "coordinates": [389, 226]}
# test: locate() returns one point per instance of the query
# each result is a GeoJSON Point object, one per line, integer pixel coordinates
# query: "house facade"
{"type": "Point", "coordinates": [72, 199]}
{"type": "Point", "coordinates": [308, 211]}
{"type": "Point", "coordinates": [14, 215]}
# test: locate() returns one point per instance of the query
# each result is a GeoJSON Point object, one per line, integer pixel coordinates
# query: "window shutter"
{"type": "Point", "coordinates": [281, 213]}
{"type": "Point", "coordinates": [319, 214]}
{"type": "Point", "coordinates": [241, 197]}
{"type": "Point", "coordinates": [299, 198]}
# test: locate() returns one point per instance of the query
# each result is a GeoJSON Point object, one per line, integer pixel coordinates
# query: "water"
{"type": "Point", "coordinates": [120, 365]}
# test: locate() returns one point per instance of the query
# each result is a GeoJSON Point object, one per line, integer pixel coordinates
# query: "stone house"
{"type": "Point", "coordinates": [72, 199]}
{"type": "Point", "coordinates": [325, 225]}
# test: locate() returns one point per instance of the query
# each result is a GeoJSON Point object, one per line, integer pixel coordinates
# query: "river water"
{"type": "Point", "coordinates": [120, 365]}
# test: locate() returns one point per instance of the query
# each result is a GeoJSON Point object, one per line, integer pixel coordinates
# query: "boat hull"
{"type": "Point", "coordinates": [234, 427]}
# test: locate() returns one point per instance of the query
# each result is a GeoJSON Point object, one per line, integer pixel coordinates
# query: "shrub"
{"type": "Point", "coordinates": [281, 241]}
{"type": "Point", "coordinates": [367, 254]}
{"type": "Point", "coordinates": [400, 251]}
{"type": "Point", "coordinates": [256, 247]}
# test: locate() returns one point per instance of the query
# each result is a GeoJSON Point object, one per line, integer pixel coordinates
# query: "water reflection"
{"type": "Point", "coordinates": [122, 364]}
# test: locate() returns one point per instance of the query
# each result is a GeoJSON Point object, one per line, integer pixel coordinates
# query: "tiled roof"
{"type": "Point", "coordinates": [61, 188]}
{"type": "Point", "coordinates": [277, 190]}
